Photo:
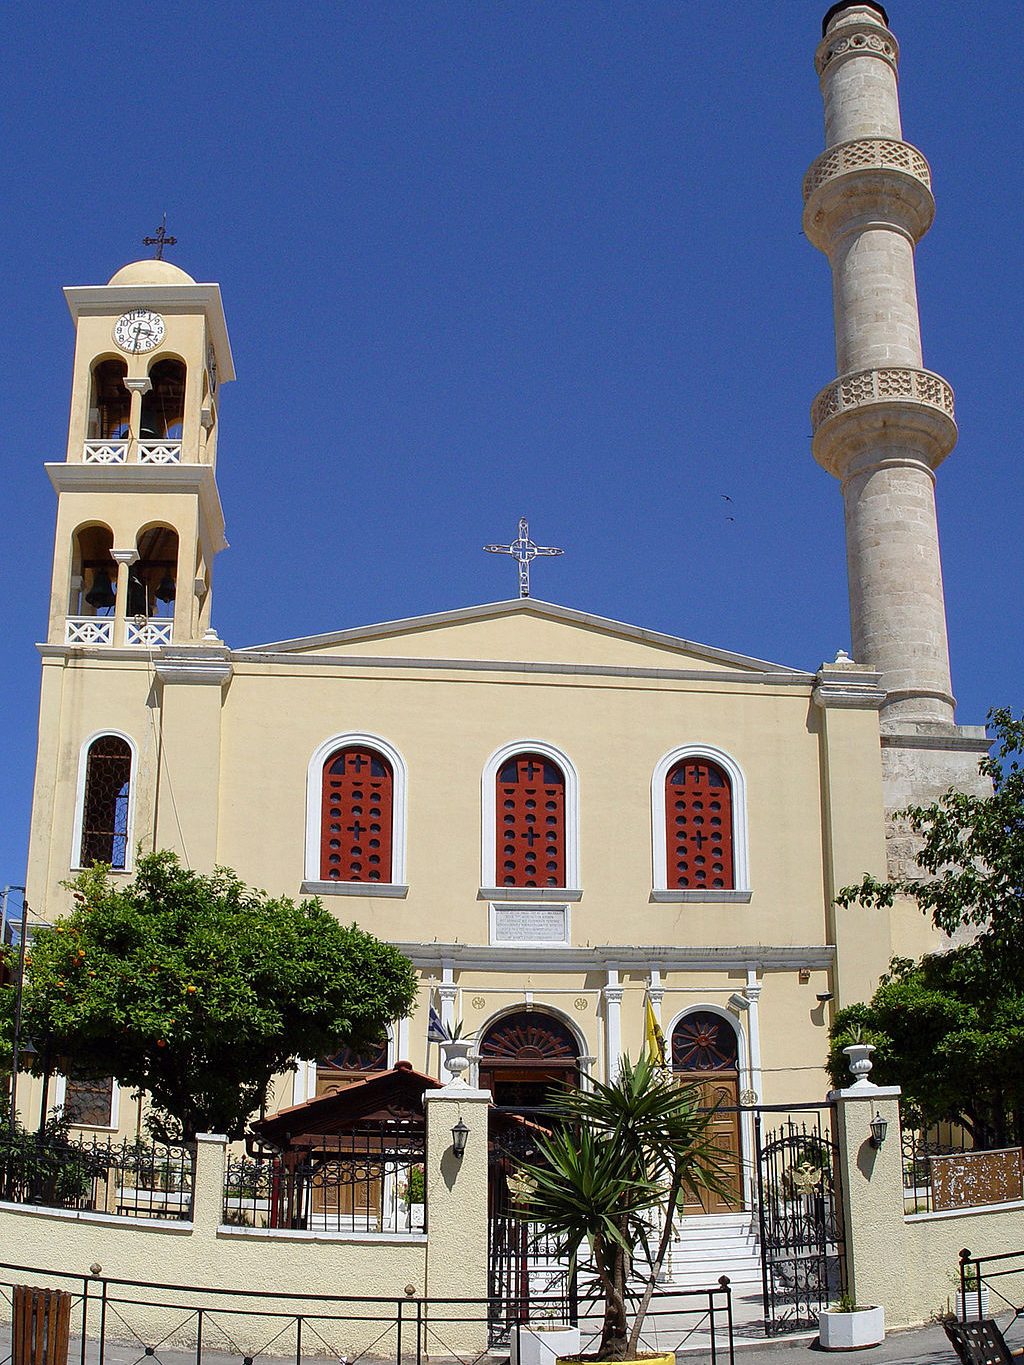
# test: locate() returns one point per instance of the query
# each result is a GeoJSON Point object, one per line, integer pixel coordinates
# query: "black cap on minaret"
{"type": "Point", "coordinates": [850, 4]}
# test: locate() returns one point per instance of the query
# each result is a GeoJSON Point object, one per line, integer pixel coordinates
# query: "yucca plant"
{"type": "Point", "coordinates": [612, 1176]}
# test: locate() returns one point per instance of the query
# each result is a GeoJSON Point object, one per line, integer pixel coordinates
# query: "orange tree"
{"type": "Point", "coordinates": [197, 990]}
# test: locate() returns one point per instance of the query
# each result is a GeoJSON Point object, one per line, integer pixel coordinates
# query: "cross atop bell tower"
{"type": "Point", "coordinates": [139, 518]}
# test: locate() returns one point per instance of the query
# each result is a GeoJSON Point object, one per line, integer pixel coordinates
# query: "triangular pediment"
{"type": "Point", "coordinates": [520, 631]}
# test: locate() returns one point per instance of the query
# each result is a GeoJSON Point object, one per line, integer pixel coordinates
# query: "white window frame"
{"type": "Point", "coordinates": [489, 889]}
{"type": "Point", "coordinates": [740, 890]}
{"type": "Point", "coordinates": [60, 1091]}
{"type": "Point", "coordinates": [314, 798]}
{"type": "Point", "coordinates": [83, 766]}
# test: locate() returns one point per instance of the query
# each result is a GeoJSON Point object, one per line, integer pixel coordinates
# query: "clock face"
{"type": "Point", "coordinates": [140, 330]}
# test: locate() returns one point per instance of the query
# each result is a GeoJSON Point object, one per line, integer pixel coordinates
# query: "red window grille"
{"type": "Point", "coordinates": [108, 771]}
{"type": "Point", "coordinates": [698, 827]}
{"type": "Point", "coordinates": [356, 817]}
{"type": "Point", "coordinates": [530, 835]}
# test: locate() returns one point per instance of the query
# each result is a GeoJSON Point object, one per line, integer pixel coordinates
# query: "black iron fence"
{"type": "Point", "coordinates": [799, 1210]}
{"type": "Point", "coordinates": [991, 1286]}
{"type": "Point", "coordinates": [369, 1183]}
{"type": "Point", "coordinates": [133, 1179]}
{"type": "Point", "coordinates": [204, 1326]}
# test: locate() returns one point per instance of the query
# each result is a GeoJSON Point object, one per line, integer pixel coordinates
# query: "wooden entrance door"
{"type": "Point", "coordinates": [705, 1054]}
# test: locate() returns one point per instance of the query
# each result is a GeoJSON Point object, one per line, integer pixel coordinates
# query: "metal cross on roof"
{"type": "Point", "coordinates": [523, 550]}
{"type": "Point", "coordinates": [160, 240]}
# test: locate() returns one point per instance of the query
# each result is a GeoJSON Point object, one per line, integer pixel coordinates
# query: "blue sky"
{"type": "Point", "coordinates": [489, 259]}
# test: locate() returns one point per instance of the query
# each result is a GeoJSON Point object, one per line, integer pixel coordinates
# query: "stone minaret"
{"type": "Point", "coordinates": [886, 423]}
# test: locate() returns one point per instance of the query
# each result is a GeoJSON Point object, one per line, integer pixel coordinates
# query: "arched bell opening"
{"type": "Point", "coordinates": [163, 407]}
{"type": "Point", "coordinates": [110, 402]}
{"type": "Point", "coordinates": [153, 578]}
{"type": "Point", "coordinates": [93, 572]}
{"type": "Point", "coordinates": [706, 1055]}
{"type": "Point", "coordinates": [524, 1056]}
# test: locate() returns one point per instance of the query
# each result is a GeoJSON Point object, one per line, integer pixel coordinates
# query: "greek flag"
{"type": "Point", "coordinates": [436, 1031]}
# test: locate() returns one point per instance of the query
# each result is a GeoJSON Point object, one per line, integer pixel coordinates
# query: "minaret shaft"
{"type": "Point", "coordinates": [885, 424]}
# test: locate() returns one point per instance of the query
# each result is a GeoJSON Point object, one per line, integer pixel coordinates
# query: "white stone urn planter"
{"type": "Point", "coordinates": [542, 1343]}
{"type": "Point", "coordinates": [851, 1331]}
{"type": "Point", "coordinates": [456, 1057]}
{"type": "Point", "coordinates": [858, 1058]}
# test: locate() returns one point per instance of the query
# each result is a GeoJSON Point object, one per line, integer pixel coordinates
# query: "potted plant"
{"type": "Point", "coordinates": [456, 1048]}
{"type": "Point", "coordinates": [847, 1326]}
{"type": "Point", "coordinates": [971, 1296]}
{"type": "Point", "coordinates": [413, 1197]}
{"type": "Point", "coordinates": [612, 1177]}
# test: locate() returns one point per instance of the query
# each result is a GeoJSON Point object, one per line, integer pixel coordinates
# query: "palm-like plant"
{"type": "Point", "coordinates": [612, 1176]}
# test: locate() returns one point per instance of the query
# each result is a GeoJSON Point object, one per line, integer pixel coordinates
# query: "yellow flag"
{"type": "Point", "coordinates": [654, 1036]}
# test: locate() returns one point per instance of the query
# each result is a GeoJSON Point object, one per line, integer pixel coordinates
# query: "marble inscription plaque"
{"type": "Point", "coordinates": [529, 924]}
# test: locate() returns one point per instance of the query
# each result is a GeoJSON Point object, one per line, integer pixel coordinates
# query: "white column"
{"type": "Point", "coordinates": [612, 1025]}
{"type": "Point", "coordinates": [402, 1040]}
{"type": "Point", "coordinates": [447, 993]}
{"type": "Point", "coordinates": [752, 991]}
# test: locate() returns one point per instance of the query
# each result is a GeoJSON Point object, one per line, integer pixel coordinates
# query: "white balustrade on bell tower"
{"type": "Point", "coordinates": [885, 423]}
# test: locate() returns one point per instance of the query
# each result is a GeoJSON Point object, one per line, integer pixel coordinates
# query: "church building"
{"type": "Point", "coordinates": [562, 820]}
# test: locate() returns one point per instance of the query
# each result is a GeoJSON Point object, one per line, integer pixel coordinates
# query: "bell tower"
{"type": "Point", "coordinates": [139, 519]}
{"type": "Point", "coordinates": [885, 424]}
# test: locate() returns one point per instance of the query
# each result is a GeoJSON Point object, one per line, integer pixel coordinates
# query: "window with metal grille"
{"type": "Point", "coordinates": [356, 817]}
{"type": "Point", "coordinates": [89, 1102]}
{"type": "Point", "coordinates": [108, 772]}
{"type": "Point", "coordinates": [530, 814]}
{"type": "Point", "coordinates": [698, 826]}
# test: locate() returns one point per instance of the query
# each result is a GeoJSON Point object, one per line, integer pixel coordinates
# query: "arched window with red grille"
{"type": "Point", "coordinates": [357, 815]}
{"type": "Point", "coordinates": [698, 826]}
{"type": "Point", "coordinates": [530, 818]}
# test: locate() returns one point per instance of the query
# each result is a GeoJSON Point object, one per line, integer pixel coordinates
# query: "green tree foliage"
{"type": "Point", "coordinates": [197, 990]}
{"type": "Point", "coordinates": [950, 1028]}
{"type": "Point", "coordinates": [612, 1175]}
{"type": "Point", "coordinates": [6, 1009]}
{"type": "Point", "coordinates": [950, 1038]}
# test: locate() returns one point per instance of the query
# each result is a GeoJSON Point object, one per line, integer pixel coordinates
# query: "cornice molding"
{"type": "Point", "coordinates": [211, 667]}
{"type": "Point", "coordinates": [743, 957]}
{"type": "Point", "coordinates": [198, 479]}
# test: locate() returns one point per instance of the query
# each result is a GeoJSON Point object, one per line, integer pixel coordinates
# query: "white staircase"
{"type": "Point", "coordinates": [711, 1245]}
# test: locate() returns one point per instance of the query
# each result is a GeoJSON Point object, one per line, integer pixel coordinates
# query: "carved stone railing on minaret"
{"type": "Point", "coordinates": [868, 414]}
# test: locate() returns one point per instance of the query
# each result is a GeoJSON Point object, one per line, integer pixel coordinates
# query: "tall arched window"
{"type": "Point", "coordinates": [698, 826]}
{"type": "Point", "coordinates": [530, 820]}
{"type": "Point", "coordinates": [356, 816]}
{"type": "Point", "coordinates": [105, 804]}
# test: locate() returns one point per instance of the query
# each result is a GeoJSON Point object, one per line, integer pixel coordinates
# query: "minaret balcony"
{"type": "Point", "coordinates": [125, 451]}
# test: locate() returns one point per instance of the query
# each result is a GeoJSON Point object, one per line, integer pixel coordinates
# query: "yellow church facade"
{"type": "Point", "coordinates": [566, 822]}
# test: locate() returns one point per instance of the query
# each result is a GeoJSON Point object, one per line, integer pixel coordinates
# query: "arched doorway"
{"type": "Point", "coordinates": [705, 1053]}
{"type": "Point", "coordinates": [523, 1055]}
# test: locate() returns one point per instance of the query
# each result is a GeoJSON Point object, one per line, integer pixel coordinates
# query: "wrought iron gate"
{"type": "Point", "coordinates": [525, 1276]}
{"type": "Point", "coordinates": [799, 1206]}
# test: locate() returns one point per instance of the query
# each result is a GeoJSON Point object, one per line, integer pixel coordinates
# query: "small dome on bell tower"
{"type": "Point", "coordinates": [150, 271]}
